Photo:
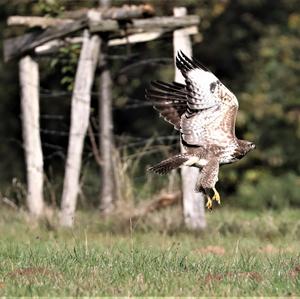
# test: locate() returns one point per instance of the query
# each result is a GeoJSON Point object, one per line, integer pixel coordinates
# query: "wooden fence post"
{"type": "Point", "coordinates": [107, 188]}
{"type": "Point", "coordinates": [107, 191]}
{"type": "Point", "coordinates": [29, 81]}
{"type": "Point", "coordinates": [80, 112]}
{"type": "Point", "coordinates": [193, 203]}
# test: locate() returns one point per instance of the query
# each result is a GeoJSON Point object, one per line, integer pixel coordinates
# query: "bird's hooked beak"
{"type": "Point", "coordinates": [252, 145]}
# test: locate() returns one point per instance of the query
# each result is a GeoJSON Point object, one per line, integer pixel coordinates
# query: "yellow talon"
{"type": "Point", "coordinates": [209, 203]}
{"type": "Point", "coordinates": [216, 196]}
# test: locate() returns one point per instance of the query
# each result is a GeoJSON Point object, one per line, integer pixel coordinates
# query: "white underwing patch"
{"type": "Point", "coordinates": [202, 78]}
{"type": "Point", "coordinates": [195, 161]}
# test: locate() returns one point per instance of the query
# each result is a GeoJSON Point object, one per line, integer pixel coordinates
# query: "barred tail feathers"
{"type": "Point", "coordinates": [169, 164]}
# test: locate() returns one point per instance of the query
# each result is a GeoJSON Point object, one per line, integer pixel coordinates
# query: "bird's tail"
{"type": "Point", "coordinates": [169, 164]}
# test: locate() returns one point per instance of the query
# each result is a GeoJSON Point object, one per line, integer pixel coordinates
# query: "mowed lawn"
{"type": "Point", "coordinates": [240, 254]}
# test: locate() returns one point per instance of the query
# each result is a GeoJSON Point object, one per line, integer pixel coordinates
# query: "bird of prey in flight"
{"type": "Point", "coordinates": [204, 111]}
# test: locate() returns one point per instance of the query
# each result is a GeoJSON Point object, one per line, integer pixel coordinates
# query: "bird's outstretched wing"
{"type": "Point", "coordinates": [169, 99]}
{"type": "Point", "coordinates": [211, 107]}
{"type": "Point", "coordinates": [204, 110]}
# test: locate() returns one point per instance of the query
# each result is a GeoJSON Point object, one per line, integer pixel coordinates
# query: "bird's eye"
{"type": "Point", "coordinates": [212, 86]}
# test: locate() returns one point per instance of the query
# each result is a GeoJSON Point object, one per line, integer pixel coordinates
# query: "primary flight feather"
{"type": "Point", "coordinates": [204, 111]}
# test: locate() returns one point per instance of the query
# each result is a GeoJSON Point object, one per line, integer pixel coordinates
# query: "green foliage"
{"type": "Point", "coordinates": [273, 95]}
{"type": "Point", "coordinates": [50, 8]}
{"type": "Point", "coordinates": [268, 191]}
{"type": "Point", "coordinates": [66, 63]}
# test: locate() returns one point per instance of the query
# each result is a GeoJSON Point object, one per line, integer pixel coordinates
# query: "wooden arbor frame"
{"type": "Point", "coordinates": [122, 25]}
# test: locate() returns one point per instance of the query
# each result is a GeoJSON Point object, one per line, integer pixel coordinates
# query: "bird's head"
{"type": "Point", "coordinates": [246, 146]}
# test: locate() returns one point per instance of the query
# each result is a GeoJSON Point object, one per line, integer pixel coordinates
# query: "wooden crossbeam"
{"type": "Point", "coordinates": [125, 12]}
{"type": "Point", "coordinates": [32, 21]}
{"type": "Point", "coordinates": [53, 46]}
{"type": "Point", "coordinates": [163, 23]}
{"type": "Point", "coordinates": [18, 46]}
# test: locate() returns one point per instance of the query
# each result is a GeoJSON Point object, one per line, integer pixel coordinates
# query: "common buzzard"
{"type": "Point", "coordinates": [204, 111]}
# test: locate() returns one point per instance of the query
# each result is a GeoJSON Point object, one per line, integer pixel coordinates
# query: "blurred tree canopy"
{"type": "Point", "coordinates": [252, 46]}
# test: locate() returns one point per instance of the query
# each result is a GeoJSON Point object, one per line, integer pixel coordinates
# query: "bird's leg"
{"type": "Point", "coordinates": [216, 196]}
{"type": "Point", "coordinates": [209, 202]}
{"type": "Point", "coordinates": [207, 180]}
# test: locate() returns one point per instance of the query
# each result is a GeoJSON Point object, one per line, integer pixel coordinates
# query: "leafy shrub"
{"type": "Point", "coordinates": [269, 192]}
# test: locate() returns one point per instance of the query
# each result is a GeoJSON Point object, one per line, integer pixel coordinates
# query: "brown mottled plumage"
{"type": "Point", "coordinates": [204, 111]}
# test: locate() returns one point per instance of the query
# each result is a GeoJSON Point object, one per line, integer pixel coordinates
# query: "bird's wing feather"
{"type": "Point", "coordinates": [211, 107]}
{"type": "Point", "coordinates": [169, 100]}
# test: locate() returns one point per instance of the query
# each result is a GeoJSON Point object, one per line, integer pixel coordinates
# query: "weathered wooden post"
{"type": "Point", "coordinates": [107, 188]}
{"type": "Point", "coordinates": [80, 112]}
{"type": "Point", "coordinates": [193, 203]}
{"type": "Point", "coordinates": [29, 81]}
{"type": "Point", "coordinates": [105, 134]}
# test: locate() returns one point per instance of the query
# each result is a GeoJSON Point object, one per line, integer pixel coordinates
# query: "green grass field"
{"type": "Point", "coordinates": [240, 254]}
